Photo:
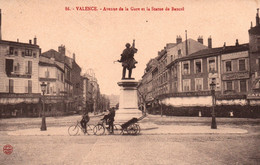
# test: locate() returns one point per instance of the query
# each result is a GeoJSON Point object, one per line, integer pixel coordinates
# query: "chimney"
{"type": "Point", "coordinates": [17, 39]}
{"type": "Point", "coordinates": [257, 17]}
{"type": "Point", "coordinates": [0, 24]}
{"type": "Point", "coordinates": [74, 57]}
{"type": "Point", "coordinates": [237, 42]}
{"type": "Point", "coordinates": [200, 39]}
{"type": "Point", "coordinates": [35, 41]}
{"type": "Point", "coordinates": [186, 44]}
{"type": "Point", "coordinates": [62, 50]}
{"type": "Point", "coordinates": [224, 46]}
{"type": "Point", "coordinates": [178, 39]}
{"type": "Point", "coordinates": [30, 41]}
{"type": "Point", "coordinates": [209, 42]}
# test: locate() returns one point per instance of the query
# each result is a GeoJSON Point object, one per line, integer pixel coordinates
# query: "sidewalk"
{"type": "Point", "coordinates": [146, 129]}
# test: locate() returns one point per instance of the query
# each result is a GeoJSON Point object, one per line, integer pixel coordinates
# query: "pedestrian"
{"type": "Point", "coordinates": [111, 120]}
{"type": "Point", "coordinates": [85, 119]}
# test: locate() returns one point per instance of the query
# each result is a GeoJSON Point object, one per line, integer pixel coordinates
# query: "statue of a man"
{"type": "Point", "coordinates": [127, 59]}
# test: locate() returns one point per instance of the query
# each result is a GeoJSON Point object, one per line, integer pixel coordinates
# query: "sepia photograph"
{"type": "Point", "coordinates": [129, 82]}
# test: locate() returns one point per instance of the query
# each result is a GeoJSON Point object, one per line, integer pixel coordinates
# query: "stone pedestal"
{"type": "Point", "coordinates": [128, 101]}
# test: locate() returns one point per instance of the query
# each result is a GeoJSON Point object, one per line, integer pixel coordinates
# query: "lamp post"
{"type": "Point", "coordinates": [213, 122]}
{"type": "Point", "coordinates": [43, 88]}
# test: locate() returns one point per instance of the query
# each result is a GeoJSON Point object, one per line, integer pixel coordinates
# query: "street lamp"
{"type": "Point", "coordinates": [213, 122]}
{"type": "Point", "coordinates": [43, 88]}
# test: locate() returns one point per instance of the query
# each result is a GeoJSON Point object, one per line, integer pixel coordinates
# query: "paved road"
{"type": "Point", "coordinates": [144, 149]}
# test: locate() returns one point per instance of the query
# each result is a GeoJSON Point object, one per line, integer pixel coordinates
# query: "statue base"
{"type": "Point", "coordinates": [128, 101]}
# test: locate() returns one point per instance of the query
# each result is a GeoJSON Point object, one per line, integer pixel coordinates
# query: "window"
{"type": "Point", "coordinates": [28, 52]}
{"type": "Point", "coordinates": [198, 84]}
{"type": "Point", "coordinates": [9, 66]}
{"type": "Point", "coordinates": [17, 68]}
{"type": "Point", "coordinates": [198, 66]}
{"type": "Point", "coordinates": [242, 65]}
{"type": "Point", "coordinates": [228, 66]}
{"type": "Point", "coordinates": [11, 50]}
{"type": "Point", "coordinates": [175, 85]}
{"type": "Point", "coordinates": [29, 86]}
{"type": "Point", "coordinates": [229, 85]}
{"type": "Point", "coordinates": [28, 68]}
{"type": "Point", "coordinates": [186, 68]}
{"type": "Point", "coordinates": [48, 88]}
{"type": "Point", "coordinates": [243, 86]}
{"type": "Point", "coordinates": [186, 85]}
{"type": "Point", "coordinates": [34, 55]}
{"type": "Point", "coordinates": [179, 52]}
{"type": "Point", "coordinates": [47, 73]}
{"type": "Point", "coordinates": [212, 65]}
{"type": "Point", "coordinates": [257, 85]}
{"type": "Point", "coordinates": [11, 86]}
{"type": "Point", "coordinates": [16, 53]}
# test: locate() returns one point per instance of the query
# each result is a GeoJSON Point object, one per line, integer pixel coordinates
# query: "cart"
{"type": "Point", "coordinates": [131, 127]}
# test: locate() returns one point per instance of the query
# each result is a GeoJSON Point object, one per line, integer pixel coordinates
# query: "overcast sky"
{"type": "Point", "coordinates": [99, 37]}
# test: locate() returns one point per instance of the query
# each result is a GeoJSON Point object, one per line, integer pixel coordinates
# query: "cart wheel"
{"type": "Point", "coordinates": [132, 129]}
{"type": "Point", "coordinates": [99, 130]}
{"type": "Point", "coordinates": [138, 128]}
{"type": "Point", "coordinates": [90, 129]}
{"type": "Point", "coordinates": [73, 130]}
{"type": "Point", "coordinates": [117, 129]}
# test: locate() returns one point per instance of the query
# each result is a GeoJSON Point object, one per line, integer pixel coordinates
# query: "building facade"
{"type": "Point", "coordinates": [19, 83]}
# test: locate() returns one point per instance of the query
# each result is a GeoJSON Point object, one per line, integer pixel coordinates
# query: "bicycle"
{"type": "Point", "coordinates": [74, 129]}
{"type": "Point", "coordinates": [100, 128]}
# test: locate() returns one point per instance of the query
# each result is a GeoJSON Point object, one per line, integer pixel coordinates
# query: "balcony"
{"type": "Point", "coordinates": [18, 75]}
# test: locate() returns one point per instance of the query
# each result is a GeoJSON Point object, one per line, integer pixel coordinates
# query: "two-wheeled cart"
{"type": "Point", "coordinates": [131, 127]}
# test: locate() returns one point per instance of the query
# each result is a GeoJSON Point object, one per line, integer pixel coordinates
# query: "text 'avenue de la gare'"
{"type": "Point", "coordinates": [95, 8]}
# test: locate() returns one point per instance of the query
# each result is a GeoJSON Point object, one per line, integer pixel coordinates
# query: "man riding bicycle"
{"type": "Point", "coordinates": [85, 119]}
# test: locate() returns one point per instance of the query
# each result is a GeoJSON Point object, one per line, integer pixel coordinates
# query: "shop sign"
{"type": "Point", "coordinates": [253, 96]}
{"type": "Point", "coordinates": [235, 76]}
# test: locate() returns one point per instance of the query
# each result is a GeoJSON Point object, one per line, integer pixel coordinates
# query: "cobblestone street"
{"type": "Point", "coordinates": [147, 148]}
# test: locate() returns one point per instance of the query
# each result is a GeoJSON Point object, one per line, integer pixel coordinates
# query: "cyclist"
{"type": "Point", "coordinates": [85, 119]}
{"type": "Point", "coordinates": [111, 119]}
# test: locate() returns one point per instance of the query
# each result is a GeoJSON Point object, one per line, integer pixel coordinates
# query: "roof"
{"type": "Point", "coordinates": [13, 43]}
{"type": "Point", "coordinates": [53, 53]}
{"type": "Point", "coordinates": [216, 51]}
{"type": "Point", "coordinates": [213, 52]}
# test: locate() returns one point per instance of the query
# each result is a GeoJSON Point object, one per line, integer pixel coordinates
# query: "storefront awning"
{"type": "Point", "coordinates": [13, 101]}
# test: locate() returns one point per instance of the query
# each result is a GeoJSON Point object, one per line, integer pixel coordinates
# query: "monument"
{"type": "Point", "coordinates": [128, 101]}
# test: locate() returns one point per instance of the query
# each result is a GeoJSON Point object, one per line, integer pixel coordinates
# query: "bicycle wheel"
{"type": "Point", "coordinates": [99, 129]}
{"type": "Point", "coordinates": [73, 130]}
{"type": "Point", "coordinates": [117, 129]}
{"type": "Point", "coordinates": [90, 129]}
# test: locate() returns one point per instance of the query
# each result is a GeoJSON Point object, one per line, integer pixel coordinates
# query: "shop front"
{"type": "Point", "coordinates": [19, 105]}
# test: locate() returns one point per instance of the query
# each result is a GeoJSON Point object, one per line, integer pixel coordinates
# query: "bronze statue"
{"type": "Point", "coordinates": [127, 59]}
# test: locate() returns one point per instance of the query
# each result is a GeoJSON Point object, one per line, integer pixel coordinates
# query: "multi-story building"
{"type": "Point", "coordinates": [19, 83]}
{"type": "Point", "coordinates": [162, 75]}
{"type": "Point", "coordinates": [87, 94]}
{"type": "Point", "coordinates": [51, 72]}
{"type": "Point", "coordinates": [145, 87]}
{"type": "Point", "coordinates": [254, 63]}
{"type": "Point", "coordinates": [63, 76]}
{"type": "Point", "coordinates": [77, 84]}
